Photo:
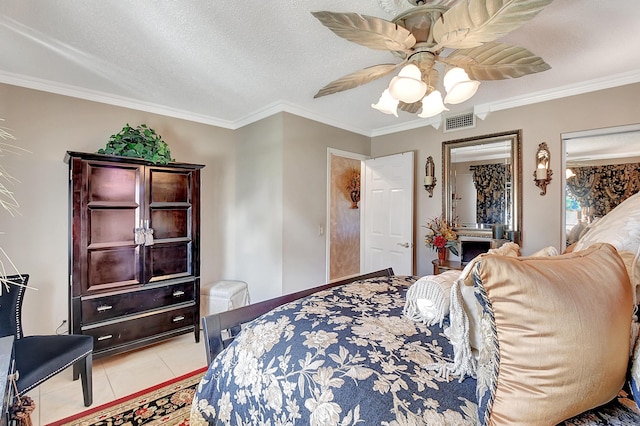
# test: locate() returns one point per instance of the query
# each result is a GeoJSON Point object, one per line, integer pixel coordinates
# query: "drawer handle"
{"type": "Point", "coordinates": [108, 336]}
{"type": "Point", "coordinates": [179, 318]}
{"type": "Point", "coordinates": [103, 308]}
{"type": "Point", "coordinates": [178, 293]}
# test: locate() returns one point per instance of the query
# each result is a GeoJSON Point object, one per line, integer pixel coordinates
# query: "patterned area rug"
{"type": "Point", "coordinates": [168, 403]}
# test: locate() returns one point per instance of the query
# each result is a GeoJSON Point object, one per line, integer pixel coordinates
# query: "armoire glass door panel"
{"type": "Point", "coordinates": [168, 187]}
{"type": "Point", "coordinates": [112, 267]}
{"type": "Point", "coordinates": [112, 226]}
{"type": "Point", "coordinates": [171, 223]}
{"type": "Point", "coordinates": [113, 184]}
{"type": "Point", "coordinates": [170, 260]}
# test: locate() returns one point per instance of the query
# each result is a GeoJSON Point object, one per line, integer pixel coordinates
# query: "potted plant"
{"type": "Point", "coordinates": [140, 142]}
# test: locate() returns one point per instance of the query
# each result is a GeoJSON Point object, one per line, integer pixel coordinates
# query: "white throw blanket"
{"type": "Point", "coordinates": [428, 298]}
{"type": "Point", "coordinates": [463, 331]}
{"type": "Point", "coordinates": [464, 363]}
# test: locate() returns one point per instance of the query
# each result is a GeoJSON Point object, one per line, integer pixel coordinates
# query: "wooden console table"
{"type": "Point", "coordinates": [447, 265]}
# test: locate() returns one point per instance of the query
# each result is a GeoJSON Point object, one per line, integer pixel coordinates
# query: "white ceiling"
{"type": "Point", "coordinates": [229, 62]}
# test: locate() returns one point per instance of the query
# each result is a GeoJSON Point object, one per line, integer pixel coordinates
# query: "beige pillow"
{"type": "Point", "coordinates": [562, 325]}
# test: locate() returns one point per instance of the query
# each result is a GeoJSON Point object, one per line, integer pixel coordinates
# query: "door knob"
{"type": "Point", "coordinates": [405, 245]}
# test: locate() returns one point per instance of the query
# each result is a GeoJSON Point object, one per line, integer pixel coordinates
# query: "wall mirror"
{"type": "Point", "coordinates": [601, 169]}
{"type": "Point", "coordinates": [482, 184]}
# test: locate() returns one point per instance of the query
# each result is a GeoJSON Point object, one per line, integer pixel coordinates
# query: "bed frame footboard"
{"type": "Point", "coordinates": [220, 329]}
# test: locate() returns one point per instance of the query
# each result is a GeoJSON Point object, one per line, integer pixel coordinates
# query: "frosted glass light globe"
{"type": "Point", "coordinates": [432, 105]}
{"type": "Point", "coordinates": [459, 86]}
{"type": "Point", "coordinates": [407, 86]}
{"type": "Point", "coordinates": [387, 104]}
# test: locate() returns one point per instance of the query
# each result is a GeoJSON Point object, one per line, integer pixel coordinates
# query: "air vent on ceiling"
{"type": "Point", "coordinates": [466, 120]}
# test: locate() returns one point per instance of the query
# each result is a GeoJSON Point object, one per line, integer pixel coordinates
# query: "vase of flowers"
{"type": "Point", "coordinates": [441, 237]}
{"type": "Point", "coordinates": [353, 187]}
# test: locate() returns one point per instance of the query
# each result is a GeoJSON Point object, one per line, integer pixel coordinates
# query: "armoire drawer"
{"type": "Point", "coordinates": [122, 332]}
{"type": "Point", "coordinates": [103, 308]}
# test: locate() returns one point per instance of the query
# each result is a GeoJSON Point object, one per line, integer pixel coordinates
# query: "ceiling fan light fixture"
{"type": "Point", "coordinates": [407, 86]}
{"type": "Point", "coordinates": [454, 76]}
{"type": "Point", "coordinates": [459, 86]}
{"type": "Point", "coordinates": [461, 92]}
{"type": "Point", "coordinates": [419, 34]}
{"type": "Point", "coordinates": [411, 71]}
{"type": "Point", "coordinates": [432, 105]}
{"type": "Point", "coordinates": [387, 104]}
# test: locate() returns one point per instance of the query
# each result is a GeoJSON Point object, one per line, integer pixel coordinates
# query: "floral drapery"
{"type": "Point", "coordinates": [492, 198]}
{"type": "Point", "coordinates": [603, 187]}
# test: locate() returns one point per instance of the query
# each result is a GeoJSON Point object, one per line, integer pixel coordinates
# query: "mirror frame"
{"type": "Point", "coordinates": [515, 136]}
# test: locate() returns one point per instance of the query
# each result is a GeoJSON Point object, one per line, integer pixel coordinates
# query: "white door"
{"type": "Point", "coordinates": [388, 214]}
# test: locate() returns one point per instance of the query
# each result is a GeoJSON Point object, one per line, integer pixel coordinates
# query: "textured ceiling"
{"type": "Point", "coordinates": [229, 62]}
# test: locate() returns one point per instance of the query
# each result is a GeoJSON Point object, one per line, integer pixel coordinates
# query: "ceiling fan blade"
{"type": "Point", "coordinates": [496, 61]}
{"type": "Point", "coordinates": [432, 78]}
{"type": "Point", "coordinates": [410, 108]}
{"type": "Point", "coordinates": [473, 22]}
{"type": "Point", "coordinates": [368, 31]}
{"type": "Point", "coordinates": [357, 78]}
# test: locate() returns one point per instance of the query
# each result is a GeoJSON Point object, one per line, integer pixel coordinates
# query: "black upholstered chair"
{"type": "Point", "coordinates": [39, 358]}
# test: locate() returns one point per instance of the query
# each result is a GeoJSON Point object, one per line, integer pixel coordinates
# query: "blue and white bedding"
{"type": "Point", "coordinates": [343, 356]}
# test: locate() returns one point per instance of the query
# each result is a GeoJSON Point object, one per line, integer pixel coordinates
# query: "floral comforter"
{"type": "Point", "coordinates": [343, 356]}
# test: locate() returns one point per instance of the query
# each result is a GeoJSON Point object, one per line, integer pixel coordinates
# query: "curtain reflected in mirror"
{"type": "Point", "coordinates": [482, 184]}
{"type": "Point", "coordinates": [493, 192]}
{"type": "Point", "coordinates": [602, 169]}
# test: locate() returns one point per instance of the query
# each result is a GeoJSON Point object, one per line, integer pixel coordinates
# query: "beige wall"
{"type": "Point", "coordinates": [263, 187]}
{"type": "Point", "coordinates": [48, 125]}
{"type": "Point", "coordinates": [305, 197]}
{"type": "Point", "coordinates": [542, 122]}
{"type": "Point", "coordinates": [258, 211]}
{"type": "Point", "coordinates": [281, 202]}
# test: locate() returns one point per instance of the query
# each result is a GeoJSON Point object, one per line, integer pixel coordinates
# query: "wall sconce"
{"type": "Point", "coordinates": [542, 174]}
{"type": "Point", "coordinates": [430, 178]}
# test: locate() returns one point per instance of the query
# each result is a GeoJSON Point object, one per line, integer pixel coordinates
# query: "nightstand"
{"type": "Point", "coordinates": [447, 265]}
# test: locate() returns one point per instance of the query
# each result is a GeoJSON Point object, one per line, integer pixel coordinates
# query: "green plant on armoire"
{"type": "Point", "coordinates": [140, 142]}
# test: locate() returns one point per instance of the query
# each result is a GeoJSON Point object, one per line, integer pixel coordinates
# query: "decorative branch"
{"type": "Point", "coordinates": [7, 200]}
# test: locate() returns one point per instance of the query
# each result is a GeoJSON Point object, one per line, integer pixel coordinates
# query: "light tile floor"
{"type": "Point", "coordinates": [117, 376]}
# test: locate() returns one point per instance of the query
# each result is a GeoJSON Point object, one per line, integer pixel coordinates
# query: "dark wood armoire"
{"type": "Point", "coordinates": [134, 250]}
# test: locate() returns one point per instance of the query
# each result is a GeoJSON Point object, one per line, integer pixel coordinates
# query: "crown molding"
{"type": "Point", "coordinates": [109, 99]}
{"type": "Point", "coordinates": [283, 106]}
{"type": "Point", "coordinates": [623, 79]}
{"type": "Point", "coordinates": [481, 110]}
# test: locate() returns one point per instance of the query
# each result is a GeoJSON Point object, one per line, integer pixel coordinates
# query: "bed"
{"type": "Point", "coordinates": [344, 353]}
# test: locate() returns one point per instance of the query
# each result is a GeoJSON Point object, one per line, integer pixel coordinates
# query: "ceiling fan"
{"type": "Point", "coordinates": [460, 34]}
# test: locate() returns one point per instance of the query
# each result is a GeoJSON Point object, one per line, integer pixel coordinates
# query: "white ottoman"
{"type": "Point", "coordinates": [222, 296]}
